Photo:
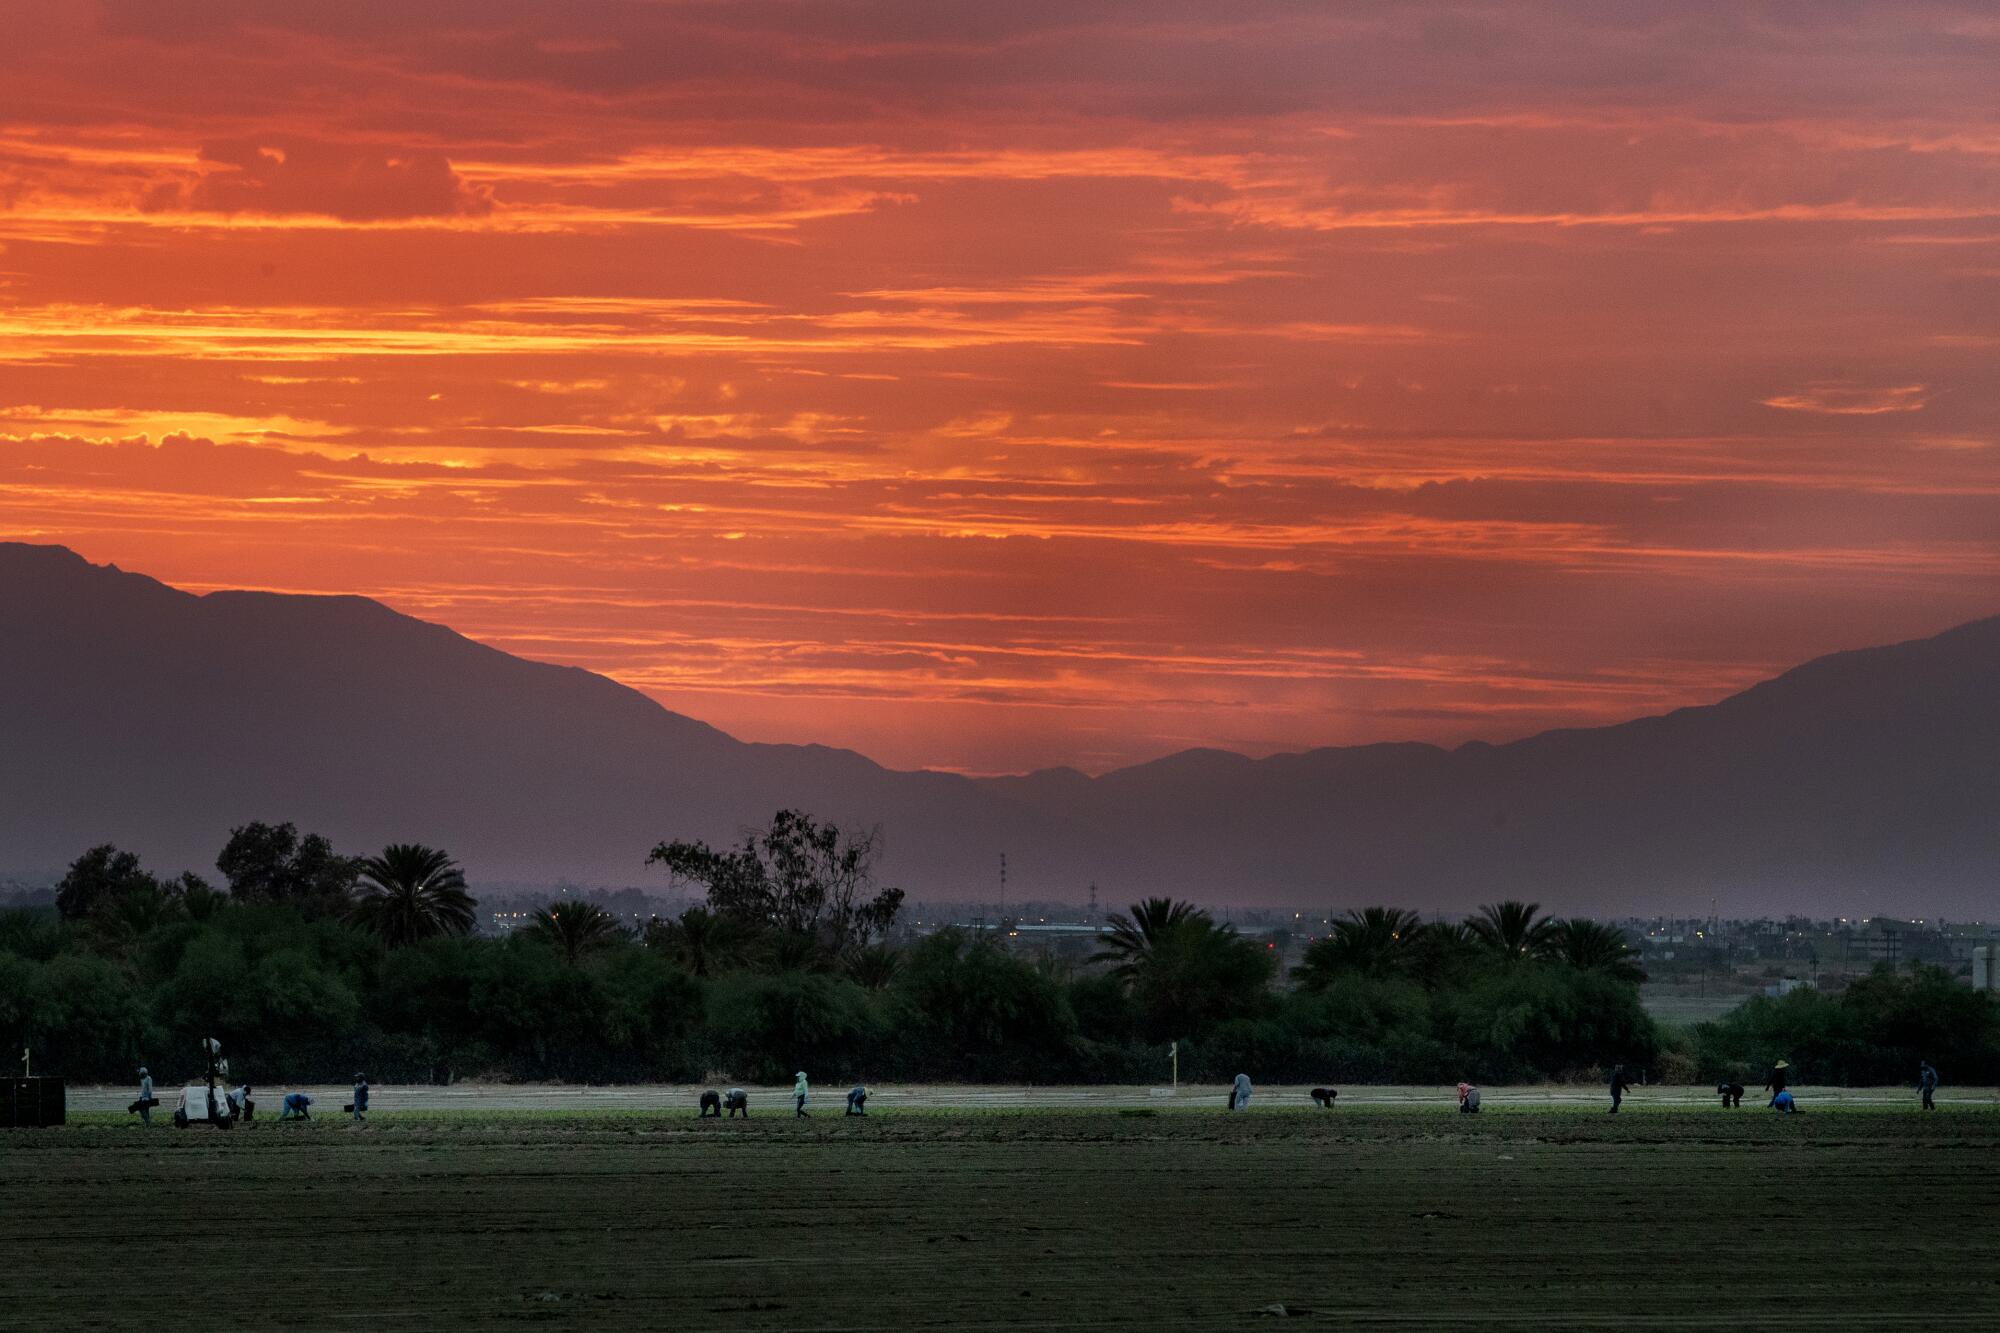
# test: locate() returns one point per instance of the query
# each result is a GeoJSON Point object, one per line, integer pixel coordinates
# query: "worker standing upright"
{"type": "Point", "coordinates": [1927, 1081]}
{"type": "Point", "coordinates": [1620, 1085]}
{"type": "Point", "coordinates": [144, 1106]}
{"type": "Point", "coordinates": [799, 1096]}
{"type": "Point", "coordinates": [360, 1106]}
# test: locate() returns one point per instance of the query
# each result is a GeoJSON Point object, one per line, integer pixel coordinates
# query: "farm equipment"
{"type": "Point", "coordinates": [203, 1104]}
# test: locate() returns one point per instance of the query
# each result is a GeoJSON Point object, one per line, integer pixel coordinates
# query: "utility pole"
{"type": "Point", "coordinates": [1093, 904]}
{"type": "Point", "coordinates": [1003, 889]}
{"type": "Point", "coordinates": [1174, 1054]}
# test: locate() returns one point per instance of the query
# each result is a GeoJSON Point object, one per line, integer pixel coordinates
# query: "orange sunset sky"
{"type": "Point", "coordinates": [989, 386]}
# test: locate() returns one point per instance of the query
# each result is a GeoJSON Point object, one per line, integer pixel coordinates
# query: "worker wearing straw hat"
{"type": "Point", "coordinates": [1781, 1077]}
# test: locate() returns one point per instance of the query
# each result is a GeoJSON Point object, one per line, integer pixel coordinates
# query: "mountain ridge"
{"type": "Point", "coordinates": [154, 717]}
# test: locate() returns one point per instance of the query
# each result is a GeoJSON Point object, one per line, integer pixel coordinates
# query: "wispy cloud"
{"type": "Point", "coordinates": [1848, 400]}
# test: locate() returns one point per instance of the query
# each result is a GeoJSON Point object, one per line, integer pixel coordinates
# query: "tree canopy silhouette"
{"type": "Point", "coordinates": [272, 863]}
{"type": "Point", "coordinates": [799, 876]}
{"type": "Point", "coordinates": [118, 900]}
{"type": "Point", "coordinates": [98, 878]}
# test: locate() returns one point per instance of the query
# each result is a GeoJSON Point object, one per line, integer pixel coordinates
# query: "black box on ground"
{"type": "Point", "coordinates": [27, 1103]}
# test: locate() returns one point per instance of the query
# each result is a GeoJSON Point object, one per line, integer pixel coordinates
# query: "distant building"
{"type": "Point", "coordinates": [1985, 964]}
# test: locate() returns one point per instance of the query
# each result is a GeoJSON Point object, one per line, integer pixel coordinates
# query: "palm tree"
{"type": "Point", "coordinates": [875, 966]}
{"type": "Point", "coordinates": [1133, 938]}
{"type": "Point", "coordinates": [577, 928]}
{"type": "Point", "coordinates": [1441, 950]}
{"type": "Point", "coordinates": [1196, 973]}
{"type": "Point", "coordinates": [702, 941]}
{"type": "Point", "coordinates": [410, 893]}
{"type": "Point", "coordinates": [1374, 941]}
{"type": "Point", "coordinates": [1591, 946]}
{"type": "Point", "coordinates": [1512, 929]}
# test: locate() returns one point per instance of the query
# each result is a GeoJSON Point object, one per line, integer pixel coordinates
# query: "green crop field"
{"type": "Point", "coordinates": [1847, 1217]}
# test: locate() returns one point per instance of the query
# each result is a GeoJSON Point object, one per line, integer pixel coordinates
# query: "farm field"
{"type": "Point", "coordinates": [1849, 1216]}
{"type": "Point", "coordinates": [108, 1103]}
{"type": "Point", "coordinates": [1669, 1003]}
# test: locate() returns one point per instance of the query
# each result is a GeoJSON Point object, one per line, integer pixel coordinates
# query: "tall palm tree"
{"type": "Point", "coordinates": [1511, 929]}
{"type": "Point", "coordinates": [1133, 938]}
{"type": "Point", "coordinates": [410, 893]}
{"type": "Point", "coordinates": [1592, 946]}
{"type": "Point", "coordinates": [577, 928]}
{"type": "Point", "coordinates": [1374, 941]}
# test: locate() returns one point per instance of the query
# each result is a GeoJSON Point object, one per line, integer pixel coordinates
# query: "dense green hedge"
{"type": "Point", "coordinates": [1872, 1033]}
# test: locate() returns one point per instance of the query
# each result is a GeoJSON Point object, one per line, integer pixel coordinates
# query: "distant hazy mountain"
{"type": "Point", "coordinates": [139, 714]}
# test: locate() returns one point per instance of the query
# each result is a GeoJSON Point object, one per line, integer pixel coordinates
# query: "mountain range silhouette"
{"type": "Point", "coordinates": [132, 712]}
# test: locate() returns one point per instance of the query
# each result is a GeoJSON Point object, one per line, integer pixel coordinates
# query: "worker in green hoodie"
{"type": "Point", "coordinates": [799, 1096]}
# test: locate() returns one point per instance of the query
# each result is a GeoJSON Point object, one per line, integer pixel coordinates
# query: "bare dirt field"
{"type": "Point", "coordinates": [1529, 1216]}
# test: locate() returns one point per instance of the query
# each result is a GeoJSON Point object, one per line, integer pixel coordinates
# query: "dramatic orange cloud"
{"type": "Point", "coordinates": [996, 386]}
